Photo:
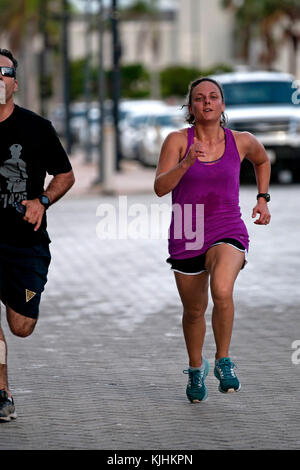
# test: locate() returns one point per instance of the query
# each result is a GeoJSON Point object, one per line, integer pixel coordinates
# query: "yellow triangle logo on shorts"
{"type": "Point", "coordinates": [29, 294]}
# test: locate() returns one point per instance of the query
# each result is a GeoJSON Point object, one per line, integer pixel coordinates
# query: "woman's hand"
{"type": "Point", "coordinates": [262, 209]}
{"type": "Point", "coordinates": [196, 150]}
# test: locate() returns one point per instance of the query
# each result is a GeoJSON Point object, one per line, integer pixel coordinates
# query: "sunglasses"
{"type": "Point", "coordinates": [8, 72]}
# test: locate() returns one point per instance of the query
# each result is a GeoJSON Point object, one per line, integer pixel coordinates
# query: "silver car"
{"type": "Point", "coordinates": [267, 104]}
{"type": "Point", "coordinates": [155, 131]}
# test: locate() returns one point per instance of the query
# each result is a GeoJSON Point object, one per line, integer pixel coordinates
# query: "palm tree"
{"type": "Point", "coordinates": [258, 17]}
{"type": "Point", "coordinates": [246, 14]}
{"type": "Point", "coordinates": [18, 23]}
{"type": "Point", "coordinates": [16, 18]}
{"type": "Point", "coordinates": [147, 10]}
{"type": "Point", "coordinates": [21, 21]}
{"type": "Point", "coordinates": [291, 9]}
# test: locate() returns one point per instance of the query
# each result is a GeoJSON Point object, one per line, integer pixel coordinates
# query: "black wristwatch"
{"type": "Point", "coordinates": [44, 200]}
{"type": "Point", "coordinates": [266, 196]}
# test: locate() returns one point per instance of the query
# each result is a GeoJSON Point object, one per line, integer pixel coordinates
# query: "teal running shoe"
{"type": "Point", "coordinates": [196, 390]}
{"type": "Point", "coordinates": [7, 407]}
{"type": "Point", "coordinates": [224, 372]}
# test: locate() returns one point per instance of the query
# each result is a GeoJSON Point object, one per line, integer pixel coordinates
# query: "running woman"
{"type": "Point", "coordinates": [200, 165]}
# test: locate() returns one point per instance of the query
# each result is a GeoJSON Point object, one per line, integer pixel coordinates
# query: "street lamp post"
{"type": "Point", "coordinates": [87, 83]}
{"type": "Point", "coordinates": [101, 95]}
{"type": "Point", "coordinates": [66, 73]}
{"type": "Point", "coordinates": [116, 79]}
{"type": "Point", "coordinates": [43, 56]}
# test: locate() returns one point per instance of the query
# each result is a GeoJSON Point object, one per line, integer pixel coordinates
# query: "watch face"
{"type": "Point", "coordinates": [44, 200]}
{"type": "Point", "coordinates": [265, 196]}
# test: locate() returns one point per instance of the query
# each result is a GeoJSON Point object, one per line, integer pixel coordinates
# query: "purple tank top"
{"type": "Point", "coordinates": [205, 203]}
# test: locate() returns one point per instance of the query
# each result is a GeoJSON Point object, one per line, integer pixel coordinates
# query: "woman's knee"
{"type": "Point", "coordinates": [222, 293]}
{"type": "Point", "coordinates": [195, 314]}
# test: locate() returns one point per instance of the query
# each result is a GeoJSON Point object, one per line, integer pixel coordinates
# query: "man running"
{"type": "Point", "coordinates": [30, 149]}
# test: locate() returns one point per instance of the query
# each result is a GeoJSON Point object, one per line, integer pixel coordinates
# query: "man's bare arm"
{"type": "Point", "coordinates": [57, 187]}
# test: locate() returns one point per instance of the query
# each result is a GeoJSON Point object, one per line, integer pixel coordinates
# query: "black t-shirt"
{"type": "Point", "coordinates": [30, 148]}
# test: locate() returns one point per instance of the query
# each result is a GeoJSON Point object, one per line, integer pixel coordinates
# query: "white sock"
{"type": "Point", "coordinates": [198, 368]}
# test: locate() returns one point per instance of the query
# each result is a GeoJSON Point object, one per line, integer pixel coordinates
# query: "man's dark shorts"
{"type": "Point", "coordinates": [23, 275]}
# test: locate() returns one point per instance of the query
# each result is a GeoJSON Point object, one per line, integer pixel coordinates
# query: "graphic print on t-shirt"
{"type": "Point", "coordinates": [13, 178]}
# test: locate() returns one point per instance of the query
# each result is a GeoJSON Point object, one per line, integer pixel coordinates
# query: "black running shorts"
{"type": "Point", "coordinates": [23, 275]}
{"type": "Point", "coordinates": [196, 264]}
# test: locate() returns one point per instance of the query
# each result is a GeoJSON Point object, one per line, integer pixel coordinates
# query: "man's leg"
{"type": "Point", "coordinates": [23, 281]}
{"type": "Point", "coordinates": [7, 407]}
{"type": "Point", "coordinates": [19, 324]}
{"type": "Point", "coordinates": [3, 360]}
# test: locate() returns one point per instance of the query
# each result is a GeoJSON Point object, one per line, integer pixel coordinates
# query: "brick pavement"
{"type": "Point", "coordinates": [103, 369]}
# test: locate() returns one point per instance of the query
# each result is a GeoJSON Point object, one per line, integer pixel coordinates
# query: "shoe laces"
{"type": "Point", "coordinates": [226, 369]}
{"type": "Point", "coordinates": [195, 377]}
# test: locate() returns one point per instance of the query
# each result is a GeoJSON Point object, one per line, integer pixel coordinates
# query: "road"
{"type": "Point", "coordinates": [103, 369]}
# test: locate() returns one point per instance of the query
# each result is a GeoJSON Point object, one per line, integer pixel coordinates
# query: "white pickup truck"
{"type": "Point", "coordinates": [267, 104]}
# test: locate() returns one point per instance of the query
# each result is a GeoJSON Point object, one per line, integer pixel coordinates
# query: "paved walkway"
{"type": "Point", "coordinates": [103, 369]}
{"type": "Point", "coordinates": [132, 179]}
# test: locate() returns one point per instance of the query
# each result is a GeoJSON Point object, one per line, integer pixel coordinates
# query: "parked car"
{"type": "Point", "coordinates": [127, 107]}
{"type": "Point", "coordinates": [267, 105]}
{"type": "Point", "coordinates": [77, 120]}
{"type": "Point", "coordinates": [84, 120]}
{"type": "Point", "coordinates": [154, 132]}
{"type": "Point", "coordinates": [131, 134]}
{"type": "Point", "coordinates": [133, 122]}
